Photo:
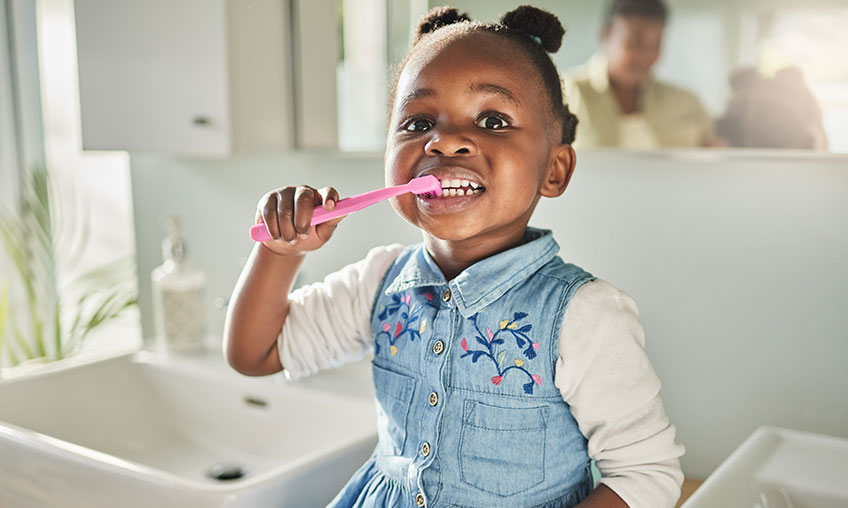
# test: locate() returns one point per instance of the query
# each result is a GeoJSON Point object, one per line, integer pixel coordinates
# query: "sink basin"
{"type": "Point", "coordinates": [779, 468]}
{"type": "Point", "coordinates": [147, 430]}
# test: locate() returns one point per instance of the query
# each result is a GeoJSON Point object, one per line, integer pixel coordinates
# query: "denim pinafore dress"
{"type": "Point", "coordinates": [467, 411]}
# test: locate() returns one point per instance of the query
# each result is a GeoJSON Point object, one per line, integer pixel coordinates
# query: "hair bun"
{"type": "Point", "coordinates": [535, 22]}
{"type": "Point", "coordinates": [437, 18]}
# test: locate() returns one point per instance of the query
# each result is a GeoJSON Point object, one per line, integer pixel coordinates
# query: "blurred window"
{"type": "Point", "coordinates": [94, 186]}
{"type": "Point", "coordinates": [815, 40]}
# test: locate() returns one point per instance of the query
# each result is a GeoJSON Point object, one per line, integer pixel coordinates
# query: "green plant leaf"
{"type": "Point", "coordinates": [13, 358]}
{"type": "Point", "coordinates": [21, 341]}
{"type": "Point", "coordinates": [109, 290]}
{"type": "Point", "coordinates": [108, 309]}
{"type": "Point", "coordinates": [57, 332]}
{"type": "Point", "coordinates": [4, 314]}
{"type": "Point", "coordinates": [43, 226]}
{"type": "Point", "coordinates": [24, 242]}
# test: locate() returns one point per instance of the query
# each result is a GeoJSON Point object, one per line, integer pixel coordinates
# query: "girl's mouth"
{"type": "Point", "coordinates": [457, 194]}
{"type": "Point", "coordinates": [453, 187]}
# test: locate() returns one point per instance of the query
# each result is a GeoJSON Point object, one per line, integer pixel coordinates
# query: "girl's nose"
{"type": "Point", "coordinates": [450, 143]}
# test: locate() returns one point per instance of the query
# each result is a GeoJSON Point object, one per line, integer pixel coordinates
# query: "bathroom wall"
{"type": "Point", "coordinates": [737, 261]}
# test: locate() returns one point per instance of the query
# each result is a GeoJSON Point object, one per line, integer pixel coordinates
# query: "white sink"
{"type": "Point", "coordinates": [145, 430]}
{"type": "Point", "coordinates": [779, 468]}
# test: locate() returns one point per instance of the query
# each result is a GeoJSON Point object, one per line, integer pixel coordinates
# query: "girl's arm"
{"type": "Point", "coordinates": [607, 379]}
{"type": "Point", "coordinates": [329, 322]}
{"type": "Point", "coordinates": [259, 304]}
{"type": "Point", "coordinates": [603, 497]}
{"type": "Point", "coordinates": [257, 311]}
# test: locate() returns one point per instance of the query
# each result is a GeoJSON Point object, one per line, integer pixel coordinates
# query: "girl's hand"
{"type": "Point", "coordinates": [287, 213]}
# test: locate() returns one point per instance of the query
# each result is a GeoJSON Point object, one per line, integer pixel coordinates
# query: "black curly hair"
{"type": "Point", "coordinates": [534, 31]}
{"type": "Point", "coordinates": [651, 9]}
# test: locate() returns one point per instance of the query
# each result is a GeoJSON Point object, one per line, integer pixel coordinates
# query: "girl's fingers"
{"type": "Point", "coordinates": [329, 197]}
{"type": "Point", "coordinates": [267, 212]}
{"type": "Point", "coordinates": [286, 213]}
{"type": "Point", "coordinates": [304, 203]}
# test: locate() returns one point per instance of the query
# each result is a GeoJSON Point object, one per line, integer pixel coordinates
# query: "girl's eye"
{"type": "Point", "coordinates": [492, 122]}
{"type": "Point", "coordinates": [418, 125]}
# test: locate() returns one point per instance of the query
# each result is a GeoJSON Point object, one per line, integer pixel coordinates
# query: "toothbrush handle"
{"type": "Point", "coordinates": [259, 233]}
{"type": "Point", "coordinates": [354, 203]}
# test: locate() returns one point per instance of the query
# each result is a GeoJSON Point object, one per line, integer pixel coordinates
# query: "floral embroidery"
{"type": "Point", "coordinates": [491, 339]}
{"type": "Point", "coordinates": [404, 324]}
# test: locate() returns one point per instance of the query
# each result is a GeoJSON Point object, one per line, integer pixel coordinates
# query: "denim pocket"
{"type": "Point", "coordinates": [394, 396]}
{"type": "Point", "coordinates": [502, 450]}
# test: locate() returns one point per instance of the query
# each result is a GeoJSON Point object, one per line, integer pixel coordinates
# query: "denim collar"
{"type": "Point", "coordinates": [485, 281]}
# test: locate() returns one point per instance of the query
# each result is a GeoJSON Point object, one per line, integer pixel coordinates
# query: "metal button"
{"type": "Point", "coordinates": [447, 295]}
{"type": "Point", "coordinates": [434, 398]}
{"type": "Point", "coordinates": [438, 347]}
{"type": "Point", "coordinates": [425, 449]}
{"type": "Point", "coordinates": [419, 499]}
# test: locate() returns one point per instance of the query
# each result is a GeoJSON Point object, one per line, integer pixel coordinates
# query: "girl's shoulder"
{"type": "Point", "coordinates": [600, 302]}
{"type": "Point", "coordinates": [602, 294]}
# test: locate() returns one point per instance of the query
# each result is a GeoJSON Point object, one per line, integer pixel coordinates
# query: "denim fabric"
{"type": "Point", "coordinates": [478, 421]}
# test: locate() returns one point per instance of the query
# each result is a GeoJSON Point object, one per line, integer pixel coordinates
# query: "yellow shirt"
{"type": "Point", "coordinates": [676, 117]}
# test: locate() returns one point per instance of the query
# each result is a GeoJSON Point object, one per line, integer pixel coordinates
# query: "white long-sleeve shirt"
{"type": "Point", "coordinates": [602, 372]}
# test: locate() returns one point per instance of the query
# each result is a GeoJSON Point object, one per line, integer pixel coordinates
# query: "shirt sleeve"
{"type": "Point", "coordinates": [329, 322]}
{"type": "Point", "coordinates": [604, 374]}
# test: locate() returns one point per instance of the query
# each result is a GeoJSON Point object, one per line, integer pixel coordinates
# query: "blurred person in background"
{"type": "Point", "coordinates": [616, 98]}
{"type": "Point", "coordinates": [776, 112]}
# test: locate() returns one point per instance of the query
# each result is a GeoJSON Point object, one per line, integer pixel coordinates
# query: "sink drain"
{"type": "Point", "coordinates": [226, 471]}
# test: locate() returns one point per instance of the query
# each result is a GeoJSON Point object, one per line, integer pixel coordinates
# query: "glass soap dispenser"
{"type": "Point", "coordinates": [178, 296]}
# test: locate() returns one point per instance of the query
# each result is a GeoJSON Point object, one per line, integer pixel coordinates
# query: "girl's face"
{"type": "Point", "coordinates": [473, 113]}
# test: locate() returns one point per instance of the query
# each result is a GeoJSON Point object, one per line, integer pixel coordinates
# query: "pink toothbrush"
{"type": "Point", "coordinates": [422, 185]}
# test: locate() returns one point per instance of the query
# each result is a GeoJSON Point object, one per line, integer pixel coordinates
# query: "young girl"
{"type": "Point", "coordinates": [499, 369]}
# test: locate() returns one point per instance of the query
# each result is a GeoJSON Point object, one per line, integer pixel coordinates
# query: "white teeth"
{"type": "Point", "coordinates": [458, 187]}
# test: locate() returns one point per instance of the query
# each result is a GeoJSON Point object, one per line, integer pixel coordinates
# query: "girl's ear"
{"type": "Point", "coordinates": [560, 169]}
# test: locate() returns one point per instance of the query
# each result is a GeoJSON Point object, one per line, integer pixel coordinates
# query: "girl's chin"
{"type": "Point", "coordinates": [450, 228]}
{"type": "Point", "coordinates": [448, 234]}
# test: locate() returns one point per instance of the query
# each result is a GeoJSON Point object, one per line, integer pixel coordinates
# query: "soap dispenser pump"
{"type": "Point", "coordinates": [179, 288]}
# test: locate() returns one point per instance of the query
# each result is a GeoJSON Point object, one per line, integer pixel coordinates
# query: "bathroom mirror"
{"type": "Point", "coordinates": [703, 43]}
